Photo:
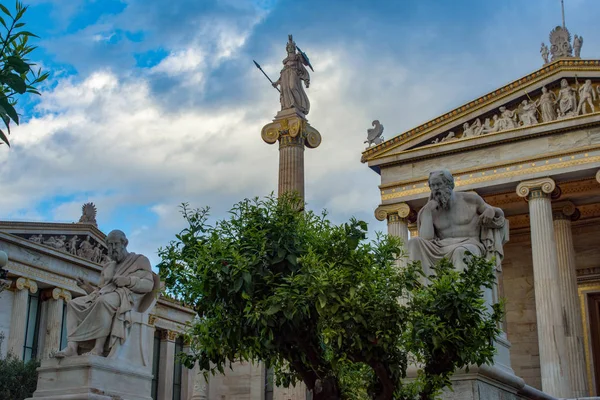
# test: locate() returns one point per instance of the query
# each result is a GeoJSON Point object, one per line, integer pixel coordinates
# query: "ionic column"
{"type": "Point", "coordinates": [54, 320]}
{"type": "Point", "coordinates": [564, 213]}
{"type": "Point", "coordinates": [167, 360]}
{"type": "Point", "coordinates": [18, 319]}
{"type": "Point", "coordinates": [397, 216]}
{"type": "Point", "coordinates": [551, 330]}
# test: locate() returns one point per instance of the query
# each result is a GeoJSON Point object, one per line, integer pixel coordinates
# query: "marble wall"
{"type": "Point", "coordinates": [6, 303]}
{"type": "Point", "coordinates": [244, 382]}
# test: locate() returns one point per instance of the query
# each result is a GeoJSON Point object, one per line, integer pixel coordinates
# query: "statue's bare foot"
{"type": "Point", "coordinates": [68, 352]}
{"type": "Point", "coordinates": [93, 352]}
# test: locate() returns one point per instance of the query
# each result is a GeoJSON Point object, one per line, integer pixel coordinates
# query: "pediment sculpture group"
{"type": "Point", "coordinates": [568, 102]}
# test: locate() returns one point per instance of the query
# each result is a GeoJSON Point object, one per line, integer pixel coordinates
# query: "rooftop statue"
{"type": "Point", "coordinates": [374, 134]}
{"type": "Point", "coordinates": [88, 214]}
{"type": "Point", "coordinates": [101, 320]}
{"type": "Point", "coordinates": [560, 43]}
{"type": "Point", "coordinates": [454, 223]}
{"type": "Point", "coordinates": [292, 93]}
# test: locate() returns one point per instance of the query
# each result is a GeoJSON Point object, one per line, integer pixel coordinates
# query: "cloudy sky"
{"type": "Point", "coordinates": [152, 103]}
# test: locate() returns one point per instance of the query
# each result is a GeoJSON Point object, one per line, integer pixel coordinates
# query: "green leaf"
{"type": "Point", "coordinates": [273, 309]}
{"type": "Point", "coordinates": [4, 138]}
{"type": "Point", "coordinates": [322, 300]}
{"type": "Point", "coordinates": [15, 82]}
{"type": "Point", "coordinates": [9, 109]}
{"type": "Point", "coordinates": [18, 64]}
{"type": "Point", "coordinates": [238, 284]}
{"type": "Point", "coordinates": [5, 10]}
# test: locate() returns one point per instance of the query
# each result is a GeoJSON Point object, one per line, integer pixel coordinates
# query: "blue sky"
{"type": "Point", "coordinates": [152, 103]}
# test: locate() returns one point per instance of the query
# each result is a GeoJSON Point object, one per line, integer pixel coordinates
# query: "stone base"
{"type": "Point", "coordinates": [92, 378]}
{"type": "Point", "coordinates": [491, 383]}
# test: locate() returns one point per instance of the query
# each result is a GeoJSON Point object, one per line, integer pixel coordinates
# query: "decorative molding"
{"type": "Point", "coordinates": [31, 272]}
{"type": "Point", "coordinates": [536, 187]}
{"type": "Point", "coordinates": [151, 319]}
{"type": "Point", "coordinates": [500, 172]}
{"type": "Point", "coordinates": [58, 293]}
{"type": "Point", "coordinates": [23, 283]}
{"type": "Point", "coordinates": [402, 210]}
{"type": "Point", "coordinates": [512, 88]}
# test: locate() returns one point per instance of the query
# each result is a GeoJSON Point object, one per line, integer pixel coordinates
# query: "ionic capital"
{"type": "Point", "coordinates": [3, 259]}
{"type": "Point", "coordinates": [565, 210]}
{"type": "Point", "coordinates": [23, 283]}
{"type": "Point", "coordinates": [536, 187]}
{"type": "Point", "coordinates": [392, 211]}
{"type": "Point", "coordinates": [598, 176]}
{"type": "Point", "coordinates": [59, 293]}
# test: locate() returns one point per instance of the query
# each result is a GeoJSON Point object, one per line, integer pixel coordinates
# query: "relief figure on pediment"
{"type": "Point", "coordinates": [507, 119]}
{"type": "Point", "coordinates": [72, 245]}
{"type": "Point", "coordinates": [475, 129]}
{"type": "Point", "coordinates": [36, 238]}
{"type": "Point", "coordinates": [566, 100]}
{"type": "Point", "coordinates": [97, 254]}
{"type": "Point", "coordinates": [56, 242]}
{"type": "Point", "coordinates": [586, 96]}
{"type": "Point", "coordinates": [527, 113]}
{"type": "Point", "coordinates": [547, 102]}
{"type": "Point", "coordinates": [86, 249]}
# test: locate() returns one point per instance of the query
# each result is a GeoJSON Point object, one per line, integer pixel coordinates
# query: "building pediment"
{"type": "Point", "coordinates": [80, 240]}
{"type": "Point", "coordinates": [534, 103]}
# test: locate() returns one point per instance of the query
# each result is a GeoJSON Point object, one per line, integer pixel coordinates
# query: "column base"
{"type": "Point", "coordinates": [92, 378]}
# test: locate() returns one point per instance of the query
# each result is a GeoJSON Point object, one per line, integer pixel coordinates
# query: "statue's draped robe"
{"type": "Point", "coordinates": [489, 244]}
{"type": "Point", "coordinates": [106, 311]}
{"type": "Point", "coordinates": [292, 92]}
{"type": "Point", "coordinates": [568, 101]}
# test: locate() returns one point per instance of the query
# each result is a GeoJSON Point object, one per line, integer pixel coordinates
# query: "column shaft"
{"type": "Point", "coordinates": [551, 337]}
{"type": "Point", "coordinates": [167, 360]}
{"type": "Point", "coordinates": [571, 311]}
{"type": "Point", "coordinates": [53, 326]}
{"type": "Point", "coordinates": [18, 319]}
{"type": "Point", "coordinates": [291, 165]}
{"type": "Point", "coordinates": [200, 385]}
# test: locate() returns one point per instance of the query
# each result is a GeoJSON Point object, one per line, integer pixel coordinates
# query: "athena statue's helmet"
{"type": "Point", "coordinates": [291, 45]}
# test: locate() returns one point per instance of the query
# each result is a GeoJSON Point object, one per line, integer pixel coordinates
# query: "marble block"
{"type": "Point", "coordinates": [92, 378]}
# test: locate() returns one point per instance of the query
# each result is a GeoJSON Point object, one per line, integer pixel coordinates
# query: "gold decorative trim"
{"type": "Point", "coordinates": [584, 289]}
{"type": "Point", "coordinates": [58, 293]}
{"type": "Point", "coordinates": [503, 92]}
{"type": "Point", "coordinates": [151, 319]}
{"type": "Point", "coordinates": [23, 283]}
{"type": "Point", "coordinates": [500, 172]}
{"type": "Point", "coordinates": [173, 335]}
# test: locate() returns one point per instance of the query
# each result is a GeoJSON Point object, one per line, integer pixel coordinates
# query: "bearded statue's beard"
{"type": "Point", "coordinates": [442, 196]}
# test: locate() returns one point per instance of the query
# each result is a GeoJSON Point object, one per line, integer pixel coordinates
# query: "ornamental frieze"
{"type": "Point", "coordinates": [77, 245]}
{"type": "Point", "coordinates": [570, 98]}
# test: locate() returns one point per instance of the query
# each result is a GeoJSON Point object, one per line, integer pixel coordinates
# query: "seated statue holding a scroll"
{"type": "Point", "coordinates": [102, 319]}
{"type": "Point", "coordinates": [453, 224]}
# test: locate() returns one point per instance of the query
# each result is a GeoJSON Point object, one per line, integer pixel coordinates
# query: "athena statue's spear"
{"type": "Point", "coordinates": [265, 74]}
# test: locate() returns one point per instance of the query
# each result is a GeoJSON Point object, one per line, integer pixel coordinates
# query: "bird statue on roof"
{"type": "Point", "coordinates": [374, 134]}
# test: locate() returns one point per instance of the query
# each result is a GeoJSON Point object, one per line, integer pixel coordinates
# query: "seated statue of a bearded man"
{"type": "Point", "coordinates": [453, 224]}
{"type": "Point", "coordinates": [102, 318]}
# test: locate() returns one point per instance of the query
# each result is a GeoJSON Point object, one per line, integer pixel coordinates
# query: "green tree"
{"type": "Point", "coordinates": [321, 304]}
{"type": "Point", "coordinates": [17, 73]}
{"type": "Point", "coordinates": [18, 379]}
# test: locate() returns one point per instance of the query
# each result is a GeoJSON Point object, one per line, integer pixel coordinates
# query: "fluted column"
{"type": "Point", "coordinates": [563, 214]}
{"type": "Point", "coordinates": [18, 319]}
{"type": "Point", "coordinates": [397, 216]}
{"type": "Point", "coordinates": [291, 165]}
{"type": "Point", "coordinates": [551, 330]}
{"type": "Point", "coordinates": [54, 320]}
{"type": "Point", "coordinates": [188, 376]}
{"type": "Point", "coordinates": [167, 361]}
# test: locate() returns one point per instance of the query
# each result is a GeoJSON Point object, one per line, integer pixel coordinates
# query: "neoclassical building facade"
{"type": "Point", "coordinates": [532, 148]}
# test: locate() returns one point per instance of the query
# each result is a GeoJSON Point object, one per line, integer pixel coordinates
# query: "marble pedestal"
{"type": "Point", "coordinates": [92, 378]}
{"type": "Point", "coordinates": [491, 383]}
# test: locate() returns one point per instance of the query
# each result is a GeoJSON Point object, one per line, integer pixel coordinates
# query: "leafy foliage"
{"type": "Point", "coordinates": [320, 304]}
{"type": "Point", "coordinates": [17, 74]}
{"type": "Point", "coordinates": [18, 379]}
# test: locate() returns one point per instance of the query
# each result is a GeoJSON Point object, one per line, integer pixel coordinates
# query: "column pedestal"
{"type": "Point", "coordinates": [18, 319]}
{"type": "Point", "coordinates": [564, 213]}
{"type": "Point", "coordinates": [551, 330]}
